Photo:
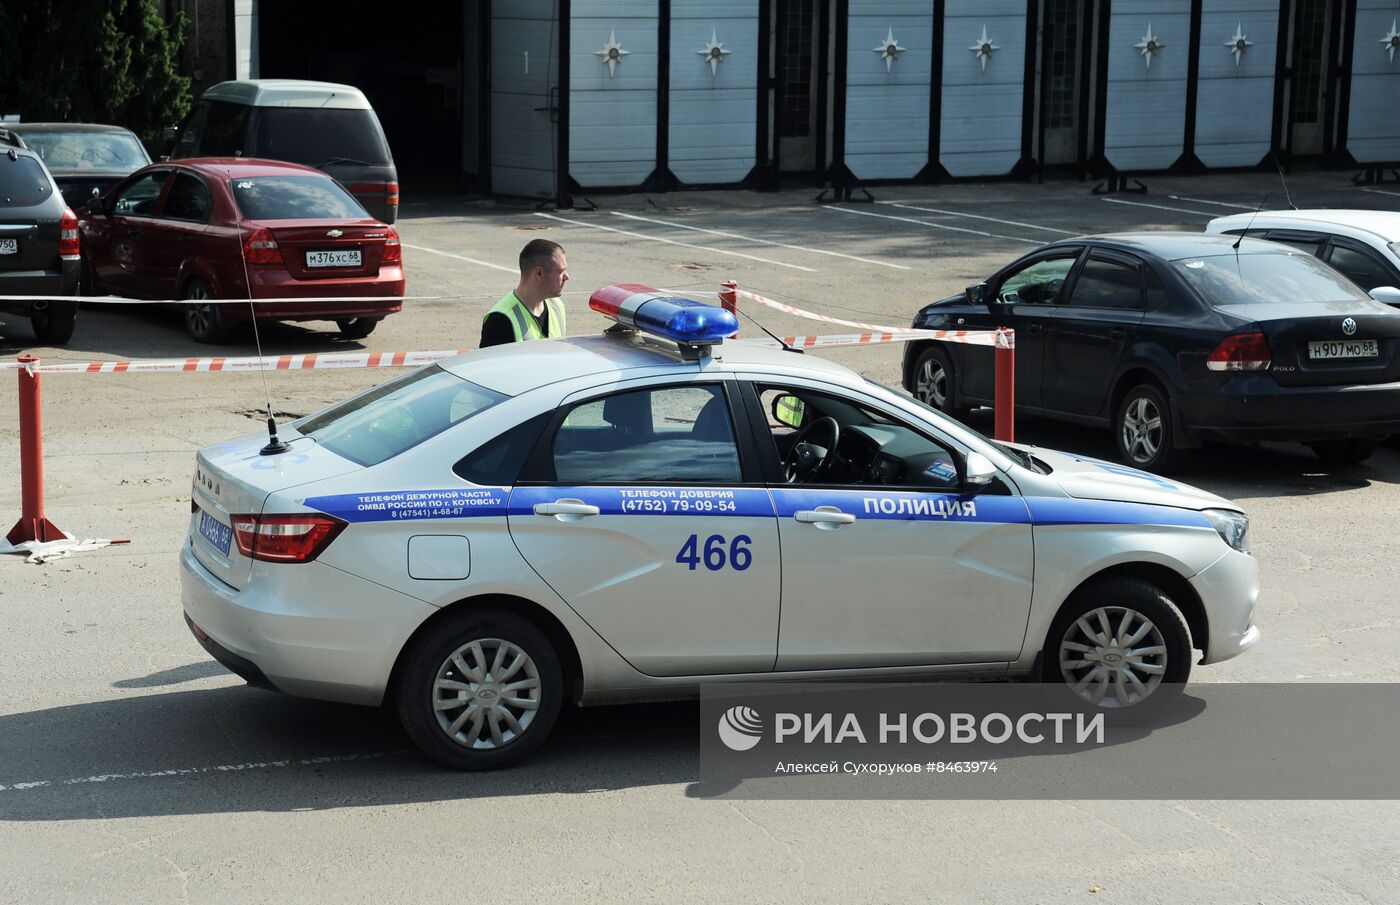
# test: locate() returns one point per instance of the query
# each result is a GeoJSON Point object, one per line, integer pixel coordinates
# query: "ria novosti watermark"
{"type": "Point", "coordinates": [1007, 740]}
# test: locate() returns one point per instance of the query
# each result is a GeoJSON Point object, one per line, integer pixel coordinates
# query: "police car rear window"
{"type": "Point", "coordinates": [23, 182]}
{"type": "Point", "coordinates": [294, 198]}
{"type": "Point", "coordinates": [396, 416]}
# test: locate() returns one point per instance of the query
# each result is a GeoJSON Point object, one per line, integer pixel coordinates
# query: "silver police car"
{"type": "Point", "coordinates": [625, 516]}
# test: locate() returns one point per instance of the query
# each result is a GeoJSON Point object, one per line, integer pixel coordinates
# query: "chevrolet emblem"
{"type": "Point", "coordinates": [334, 233]}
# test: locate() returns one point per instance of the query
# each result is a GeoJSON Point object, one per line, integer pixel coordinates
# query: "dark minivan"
{"type": "Point", "coordinates": [39, 245]}
{"type": "Point", "coordinates": [317, 124]}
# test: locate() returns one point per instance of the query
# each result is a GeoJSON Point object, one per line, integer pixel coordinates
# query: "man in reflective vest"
{"type": "Point", "coordinates": [534, 310]}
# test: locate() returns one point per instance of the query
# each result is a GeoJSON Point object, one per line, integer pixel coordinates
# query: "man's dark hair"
{"type": "Point", "coordinates": [538, 253]}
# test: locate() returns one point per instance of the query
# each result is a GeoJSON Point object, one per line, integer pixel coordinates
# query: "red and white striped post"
{"type": "Point", "coordinates": [1005, 402]}
{"type": "Point", "coordinates": [729, 300]}
{"type": "Point", "coordinates": [32, 525]}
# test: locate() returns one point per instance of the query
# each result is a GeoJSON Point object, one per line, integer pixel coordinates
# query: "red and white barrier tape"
{"type": "Point", "coordinates": [309, 300]}
{"type": "Point", "coordinates": [313, 362]}
{"type": "Point", "coordinates": [1000, 339]}
{"type": "Point", "coordinates": [834, 339]}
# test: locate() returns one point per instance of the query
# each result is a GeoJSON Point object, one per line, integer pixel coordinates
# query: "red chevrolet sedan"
{"type": "Point", "coordinates": [234, 228]}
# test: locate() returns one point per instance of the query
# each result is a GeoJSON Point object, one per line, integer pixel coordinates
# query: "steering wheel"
{"type": "Point", "coordinates": [806, 460]}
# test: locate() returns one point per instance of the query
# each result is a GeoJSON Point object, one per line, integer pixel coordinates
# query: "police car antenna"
{"type": "Point", "coordinates": [771, 334]}
{"type": "Point", "coordinates": [274, 444]}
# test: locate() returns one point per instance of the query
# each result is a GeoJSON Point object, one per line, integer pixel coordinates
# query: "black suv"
{"type": "Point", "coordinates": [38, 243]}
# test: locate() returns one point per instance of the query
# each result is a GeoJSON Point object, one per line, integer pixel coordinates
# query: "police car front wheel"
{"type": "Point", "coordinates": [1120, 644]}
{"type": "Point", "coordinates": [481, 690]}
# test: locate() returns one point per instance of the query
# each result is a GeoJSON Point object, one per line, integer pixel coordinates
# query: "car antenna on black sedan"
{"type": "Point", "coordinates": [775, 337]}
{"type": "Point", "coordinates": [1245, 231]}
{"type": "Point", "coordinates": [274, 444]}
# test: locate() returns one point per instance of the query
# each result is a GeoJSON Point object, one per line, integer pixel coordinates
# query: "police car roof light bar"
{"type": "Point", "coordinates": [692, 325]}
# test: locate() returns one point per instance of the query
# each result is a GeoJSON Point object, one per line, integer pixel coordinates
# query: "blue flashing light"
{"type": "Point", "coordinates": [685, 320]}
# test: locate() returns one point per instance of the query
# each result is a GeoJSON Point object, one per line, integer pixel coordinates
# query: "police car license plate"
{"type": "Point", "coordinates": [9, 246]}
{"type": "Point", "coordinates": [215, 531]}
{"type": "Point", "coordinates": [349, 257]}
{"type": "Point", "coordinates": [1344, 348]}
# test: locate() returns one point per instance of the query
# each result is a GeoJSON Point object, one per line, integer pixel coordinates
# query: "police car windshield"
{"type": "Point", "coordinates": [398, 415]}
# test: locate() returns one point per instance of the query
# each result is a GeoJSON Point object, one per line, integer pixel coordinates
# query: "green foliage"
{"type": "Point", "coordinates": [101, 61]}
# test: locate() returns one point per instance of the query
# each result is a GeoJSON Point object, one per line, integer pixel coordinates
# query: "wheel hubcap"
{"type": "Point", "coordinates": [1113, 657]}
{"type": "Point", "coordinates": [931, 386]}
{"type": "Point", "coordinates": [486, 694]}
{"type": "Point", "coordinates": [1142, 430]}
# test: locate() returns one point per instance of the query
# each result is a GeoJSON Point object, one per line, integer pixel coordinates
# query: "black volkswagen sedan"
{"type": "Point", "coordinates": [1173, 339]}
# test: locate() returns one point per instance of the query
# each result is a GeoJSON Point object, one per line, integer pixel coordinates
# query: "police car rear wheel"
{"type": "Point", "coordinates": [1119, 644]}
{"type": "Point", "coordinates": [482, 691]}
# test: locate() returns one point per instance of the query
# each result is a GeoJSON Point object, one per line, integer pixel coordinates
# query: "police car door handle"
{"type": "Point", "coordinates": [826, 518]}
{"type": "Point", "coordinates": [566, 510]}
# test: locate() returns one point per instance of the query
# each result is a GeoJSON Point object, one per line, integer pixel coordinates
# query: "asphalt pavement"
{"type": "Point", "coordinates": [133, 768]}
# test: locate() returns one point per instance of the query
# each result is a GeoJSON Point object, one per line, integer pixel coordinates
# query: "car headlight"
{"type": "Point", "coordinates": [1233, 527]}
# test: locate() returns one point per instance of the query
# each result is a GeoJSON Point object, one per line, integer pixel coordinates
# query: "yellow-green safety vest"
{"type": "Point", "coordinates": [524, 323]}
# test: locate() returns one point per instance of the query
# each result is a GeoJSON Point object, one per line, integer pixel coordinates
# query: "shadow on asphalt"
{"type": "Point", "coordinates": [1265, 470]}
{"type": "Point", "coordinates": [237, 749]}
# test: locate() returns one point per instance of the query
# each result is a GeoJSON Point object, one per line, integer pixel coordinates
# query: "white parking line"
{"type": "Point", "coordinates": [718, 251]}
{"type": "Point", "coordinates": [1379, 191]}
{"type": "Point", "coordinates": [1234, 207]}
{"type": "Point", "coordinates": [935, 210]}
{"type": "Point", "coordinates": [716, 232]}
{"type": "Point", "coordinates": [448, 254]}
{"type": "Point", "coordinates": [955, 229]}
{"type": "Point", "coordinates": [194, 771]}
{"type": "Point", "coordinates": [1160, 207]}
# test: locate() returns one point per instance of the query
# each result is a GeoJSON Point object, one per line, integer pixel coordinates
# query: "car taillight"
{"type": "Point", "coordinates": [393, 251]}
{"type": "Point", "coordinates": [1241, 352]}
{"type": "Point", "coordinates": [68, 242]}
{"type": "Point", "coordinates": [261, 248]}
{"type": "Point", "coordinates": [285, 538]}
{"type": "Point", "coordinates": [390, 191]}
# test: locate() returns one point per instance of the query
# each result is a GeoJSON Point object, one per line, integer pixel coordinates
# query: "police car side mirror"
{"type": "Point", "coordinates": [1388, 294]}
{"type": "Point", "coordinates": [789, 409]}
{"type": "Point", "coordinates": [980, 471]}
{"type": "Point", "coordinates": [976, 294]}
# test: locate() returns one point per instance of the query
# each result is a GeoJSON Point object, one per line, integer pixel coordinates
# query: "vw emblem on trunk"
{"type": "Point", "coordinates": [1349, 326]}
{"type": "Point", "coordinates": [334, 233]}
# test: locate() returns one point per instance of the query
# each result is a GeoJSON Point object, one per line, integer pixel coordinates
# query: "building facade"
{"type": "Point", "coordinates": [548, 98]}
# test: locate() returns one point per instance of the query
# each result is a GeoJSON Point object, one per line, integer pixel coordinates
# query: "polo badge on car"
{"type": "Point", "coordinates": [1349, 326]}
{"type": "Point", "coordinates": [334, 233]}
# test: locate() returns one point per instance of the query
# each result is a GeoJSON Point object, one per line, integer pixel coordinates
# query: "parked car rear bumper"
{"type": "Point", "coordinates": [389, 282]}
{"type": "Point", "coordinates": [39, 283]}
{"type": "Point", "coordinates": [1255, 408]}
